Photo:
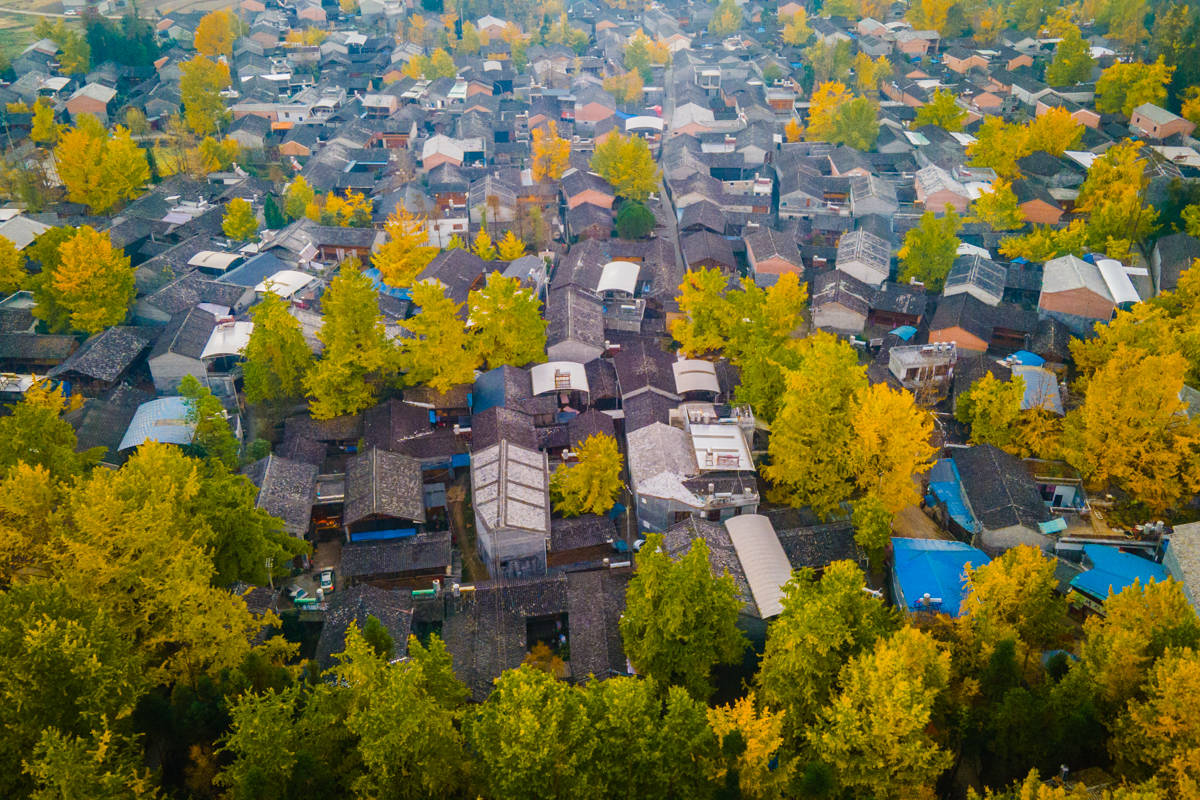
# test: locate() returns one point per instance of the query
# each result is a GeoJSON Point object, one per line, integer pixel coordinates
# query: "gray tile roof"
{"type": "Point", "coordinates": [510, 486]}
{"type": "Point", "coordinates": [107, 355]}
{"type": "Point", "coordinates": [285, 490]}
{"type": "Point", "coordinates": [380, 483]}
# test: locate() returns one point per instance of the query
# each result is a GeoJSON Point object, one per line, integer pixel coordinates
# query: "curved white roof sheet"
{"type": "Point", "coordinates": [285, 283]}
{"type": "Point", "coordinates": [161, 420]}
{"type": "Point", "coordinates": [227, 339]}
{"type": "Point", "coordinates": [1117, 280]}
{"type": "Point", "coordinates": [695, 375]}
{"type": "Point", "coordinates": [766, 565]}
{"type": "Point", "coordinates": [644, 123]}
{"type": "Point", "coordinates": [214, 259]}
{"type": "Point", "coordinates": [557, 376]}
{"type": "Point", "coordinates": [619, 276]}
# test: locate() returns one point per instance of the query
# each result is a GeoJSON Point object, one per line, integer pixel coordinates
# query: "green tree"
{"type": "Point", "coordinates": [101, 766]}
{"type": "Point", "coordinates": [375, 634]}
{"type": "Point", "coordinates": [659, 744]}
{"type": "Point", "coordinates": [680, 620]}
{"type": "Point", "coordinates": [1125, 86]}
{"type": "Point", "coordinates": [358, 355]}
{"type": "Point", "coordinates": [297, 198]}
{"type": "Point", "coordinates": [941, 110]}
{"type": "Point", "coordinates": [634, 221]}
{"type": "Point", "coordinates": [637, 54]}
{"type": "Point", "coordinates": [592, 485]}
{"type": "Point", "coordinates": [440, 65]}
{"type": "Point", "coordinates": [874, 733]}
{"type": "Point", "coordinates": [505, 323]}
{"type": "Point", "coordinates": [273, 218]}
{"type": "Point", "coordinates": [277, 356]}
{"type": "Point", "coordinates": [212, 437]}
{"type": "Point", "coordinates": [928, 251]}
{"type": "Point", "coordinates": [532, 738]}
{"type": "Point", "coordinates": [855, 124]}
{"type": "Point", "coordinates": [872, 529]}
{"type": "Point", "coordinates": [64, 666]}
{"type": "Point", "coordinates": [13, 274]}
{"type": "Point", "coordinates": [200, 86]}
{"type": "Point", "coordinates": [289, 742]}
{"type": "Point", "coordinates": [823, 624]}
{"type": "Point", "coordinates": [1073, 60]}
{"type": "Point", "coordinates": [998, 208]}
{"type": "Point", "coordinates": [240, 222]}
{"type": "Point", "coordinates": [404, 720]}
{"type": "Point", "coordinates": [1159, 735]}
{"type": "Point", "coordinates": [90, 287]}
{"type": "Point", "coordinates": [751, 325]}
{"type": "Point", "coordinates": [626, 163]}
{"type": "Point", "coordinates": [438, 352]}
{"type": "Point", "coordinates": [35, 433]}
{"type": "Point", "coordinates": [812, 445]}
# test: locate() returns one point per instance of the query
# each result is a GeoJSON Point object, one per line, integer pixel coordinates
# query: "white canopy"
{"type": "Point", "coordinates": [285, 283]}
{"type": "Point", "coordinates": [695, 375]}
{"type": "Point", "coordinates": [619, 276]}
{"type": "Point", "coordinates": [766, 565]}
{"type": "Point", "coordinates": [558, 376]}
{"type": "Point", "coordinates": [228, 339]}
{"type": "Point", "coordinates": [213, 259]}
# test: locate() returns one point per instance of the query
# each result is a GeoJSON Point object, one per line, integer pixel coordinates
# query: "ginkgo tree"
{"type": "Point", "coordinates": [277, 356]}
{"type": "Point", "coordinates": [550, 152]}
{"type": "Point", "coordinates": [98, 169]}
{"type": "Point", "coordinates": [626, 163]}
{"type": "Point", "coordinates": [505, 323]}
{"type": "Point", "coordinates": [592, 484]}
{"type": "Point", "coordinates": [358, 356]}
{"type": "Point", "coordinates": [406, 250]}
{"type": "Point", "coordinates": [929, 248]}
{"type": "Point", "coordinates": [438, 351]}
{"type": "Point", "coordinates": [89, 285]}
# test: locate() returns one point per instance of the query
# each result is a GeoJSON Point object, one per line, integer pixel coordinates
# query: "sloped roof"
{"type": "Point", "coordinates": [380, 483]}
{"type": "Point", "coordinates": [510, 487]}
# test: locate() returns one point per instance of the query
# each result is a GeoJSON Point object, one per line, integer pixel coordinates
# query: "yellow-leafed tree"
{"type": "Point", "coordinates": [592, 484]}
{"type": "Point", "coordinates": [1131, 431]}
{"type": "Point", "coordinates": [550, 153]}
{"type": "Point", "coordinates": [510, 247]}
{"type": "Point", "coordinates": [892, 445]}
{"type": "Point", "coordinates": [216, 32]}
{"type": "Point", "coordinates": [89, 289]}
{"type": "Point", "coordinates": [763, 770]}
{"type": "Point", "coordinates": [240, 222]}
{"type": "Point", "coordinates": [200, 86]}
{"type": "Point", "coordinates": [406, 252]}
{"type": "Point", "coordinates": [875, 733]}
{"type": "Point", "coordinates": [438, 353]}
{"type": "Point", "coordinates": [824, 107]}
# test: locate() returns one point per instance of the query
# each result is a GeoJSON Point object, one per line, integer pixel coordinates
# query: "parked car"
{"type": "Point", "coordinates": [299, 596]}
{"type": "Point", "coordinates": [326, 579]}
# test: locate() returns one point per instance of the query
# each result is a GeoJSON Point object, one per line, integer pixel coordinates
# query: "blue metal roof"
{"type": "Point", "coordinates": [945, 485]}
{"type": "Point", "coordinates": [934, 567]}
{"type": "Point", "coordinates": [1113, 570]}
{"type": "Point", "coordinates": [905, 332]}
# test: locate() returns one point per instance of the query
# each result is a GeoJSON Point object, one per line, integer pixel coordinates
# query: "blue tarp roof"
{"type": "Point", "coordinates": [1028, 359]}
{"type": "Point", "coordinates": [945, 485]}
{"type": "Point", "coordinates": [383, 288]}
{"type": "Point", "coordinates": [905, 332]}
{"type": "Point", "coordinates": [1112, 570]}
{"type": "Point", "coordinates": [380, 536]}
{"type": "Point", "coordinates": [934, 567]}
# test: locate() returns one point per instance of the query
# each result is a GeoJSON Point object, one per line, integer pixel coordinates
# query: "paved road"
{"type": "Point", "coordinates": [51, 15]}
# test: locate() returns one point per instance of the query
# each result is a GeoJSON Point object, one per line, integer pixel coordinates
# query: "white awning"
{"type": "Point", "coordinates": [228, 339]}
{"type": "Point", "coordinates": [214, 259]}
{"type": "Point", "coordinates": [558, 376]}
{"type": "Point", "coordinates": [619, 276]}
{"type": "Point", "coordinates": [285, 283]}
{"type": "Point", "coordinates": [1117, 281]}
{"type": "Point", "coordinates": [766, 565]}
{"type": "Point", "coordinates": [644, 123]}
{"type": "Point", "coordinates": [695, 375]}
